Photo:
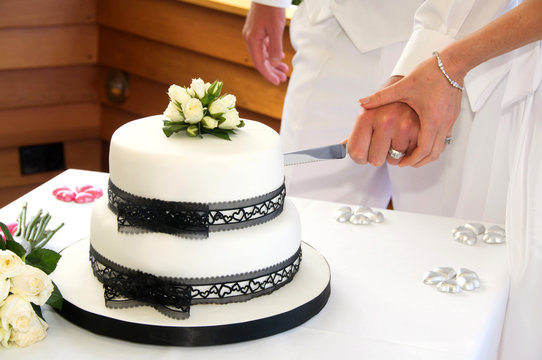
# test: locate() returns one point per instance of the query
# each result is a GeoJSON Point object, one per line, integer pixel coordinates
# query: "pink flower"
{"type": "Point", "coordinates": [12, 227]}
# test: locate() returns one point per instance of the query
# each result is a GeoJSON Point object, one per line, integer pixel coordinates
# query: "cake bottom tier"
{"type": "Point", "coordinates": [286, 308]}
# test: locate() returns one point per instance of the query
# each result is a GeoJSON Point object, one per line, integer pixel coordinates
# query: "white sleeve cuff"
{"type": "Point", "coordinates": [275, 3]}
{"type": "Point", "coordinates": [419, 47]}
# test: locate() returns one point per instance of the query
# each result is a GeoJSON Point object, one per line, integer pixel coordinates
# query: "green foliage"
{"type": "Point", "coordinates": [43, 259]}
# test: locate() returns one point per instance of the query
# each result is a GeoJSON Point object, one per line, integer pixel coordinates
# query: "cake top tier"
{"type": "Point", "coordinates": [146, 163]}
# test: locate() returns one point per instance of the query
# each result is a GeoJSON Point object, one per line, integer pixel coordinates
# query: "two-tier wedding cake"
{"type": "Point", "coordinates": [196, 228]}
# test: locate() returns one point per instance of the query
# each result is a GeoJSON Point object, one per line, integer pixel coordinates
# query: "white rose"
{"type": "Point", "coordinates": [10, 264]}
{"type": "Point", "coordinates": [16, 314]}
{"type": "Point", "coordinates": [33, 285]}
{"type": "Point", "coordinates": [232, 119]}
{"type": "Point", "coordinates": [178, 94]}
{"type": "Point", "coordinates": [217, 107]}
{"type": "Point", "coordinates": [229, 101]}
{"type": "Point", "coordinates": [209, 122]}
{"type": "Point", "coordinates": [4, 289]}
{"type": "Point", "coordinates": [4, 337]}
{"type": "Point", "coordinates": [199, 87]}
{"type": "Point", "coordinates": [193, 111]}
{"type": "Point", "coordinates": [173, 113]}
{"type": "Point", "coordinates": [36, 332]}
{"type": "Point", "coordinates": [207, 86]}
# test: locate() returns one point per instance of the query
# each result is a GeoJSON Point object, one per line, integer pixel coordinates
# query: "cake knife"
{"type": "Point", "coordinates": [330, 152]}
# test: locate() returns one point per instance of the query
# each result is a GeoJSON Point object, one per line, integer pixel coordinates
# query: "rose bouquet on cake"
{"type": "Point", "coordinates": [200, 109]}
{"type": "Point", "coordinates": [24, 282]}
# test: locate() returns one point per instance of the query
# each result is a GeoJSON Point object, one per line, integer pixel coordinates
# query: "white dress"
{"type": "Point", "coordinates": [502, 156]}
{"type": "Point", "coordinates": [523, 322]}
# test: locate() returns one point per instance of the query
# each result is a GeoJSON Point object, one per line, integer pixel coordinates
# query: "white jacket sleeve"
{"type": "Point", "coordinates": [437, 23]}
{"type": "Point", "coordinates": [275, 3]}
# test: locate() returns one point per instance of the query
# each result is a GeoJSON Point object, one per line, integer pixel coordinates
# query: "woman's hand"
{"type": "Point", "coordinates": [437, 104]}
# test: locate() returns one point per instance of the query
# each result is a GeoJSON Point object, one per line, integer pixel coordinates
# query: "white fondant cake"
{"type": "Point", "coordinates": [148, 165]}
{"type": "Point", "coordinates": [144, 162]}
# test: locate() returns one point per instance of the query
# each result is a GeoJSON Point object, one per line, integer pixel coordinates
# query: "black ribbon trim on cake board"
{"type": "Point", "coordinates": [125, 288]}
{"type": "Point", "coordinates": [136, 214]}
{"type": "Point", "coordinates": [195, 335]}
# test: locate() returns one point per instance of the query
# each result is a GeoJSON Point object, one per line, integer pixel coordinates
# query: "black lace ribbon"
{"type": "Point", "coordinates": [124, 287]}
{"type": "Point", "coordinates": [136, 214]}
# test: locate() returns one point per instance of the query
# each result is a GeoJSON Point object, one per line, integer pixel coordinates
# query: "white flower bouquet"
{"type": "Point", "coordinates": [200, 109]}
{"type": "Point", "coordinates": [24, 282]}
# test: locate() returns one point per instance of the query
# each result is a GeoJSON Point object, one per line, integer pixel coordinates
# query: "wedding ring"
{"type": "Point", "coordinates": [448, 140]}
{"type": "Point", "coordinates": [395, 154]}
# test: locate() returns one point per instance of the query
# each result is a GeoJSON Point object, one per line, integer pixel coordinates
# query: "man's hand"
{"type": "Point", "coordinates": [377, 130]}
{"type": "Point", "coordinates": [263, 30]}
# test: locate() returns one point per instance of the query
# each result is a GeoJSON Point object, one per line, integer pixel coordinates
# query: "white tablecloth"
{"type": "Point", "coordinates": [379, 307]}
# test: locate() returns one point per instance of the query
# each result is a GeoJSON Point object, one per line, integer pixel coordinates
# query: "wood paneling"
{"type": "Point", "coordinates": [199, 29]}
{"type": "Point", "coordinates": [238, 7]}
{"type": "Point", "coordinates": [112, 119]}
{"type": "Point", "coordinates": [47, 86]}
{"type": "Point", "coordinates": [29, 13]}
{"type": "Point", "coordinates": [171, 65]}
{"type": "Point", "coordinates": [41, 125]}
{"type": "Point", "coordinates": [146, 97]}
{"type": "Point", "coordinates": [48, 46]}
{"type": "Point", "coordinates": [12, 193]}
{"type": "Point", "coordinates": [85, 154]}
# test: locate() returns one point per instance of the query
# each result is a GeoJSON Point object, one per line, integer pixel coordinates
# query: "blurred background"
{"type": "Point", "coordinates": [73, 71]}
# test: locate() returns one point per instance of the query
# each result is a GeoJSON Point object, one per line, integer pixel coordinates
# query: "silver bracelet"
{"type": "Point", "coordinates": [441, 67]}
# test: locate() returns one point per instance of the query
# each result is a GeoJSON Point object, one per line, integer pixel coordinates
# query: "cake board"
{"type": "Point", "coordinates": [208, 324]}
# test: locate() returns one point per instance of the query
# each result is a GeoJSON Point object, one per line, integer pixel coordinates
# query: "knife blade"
{"type": "Point", "coordinates": [330, 152]}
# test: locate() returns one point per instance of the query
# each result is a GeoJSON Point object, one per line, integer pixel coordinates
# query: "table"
{"type": "Point", "coordinates": [379, 307]}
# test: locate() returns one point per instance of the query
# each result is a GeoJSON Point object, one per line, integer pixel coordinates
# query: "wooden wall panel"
{"type": "Point", "coordinates": [112, 119]}
{"type": "Point", "coordinates": [9, 194]}
{"type": "Point", "coordinates": [41, 125]}
{"type": "Point", "coordinates": [146, 97]}
{"type": "Point", "coordinates": [168, 64]}
{"type": "Point", "coordinates": [28, 13]}
{"type": "Point", "coordinates": [85, 154]}
{"type": "Point", "coordinates": [47, 86]}
{"type": "Point", "coordinates": [48, 46]}
{"type": "Point", "coordinates": [200, 29]}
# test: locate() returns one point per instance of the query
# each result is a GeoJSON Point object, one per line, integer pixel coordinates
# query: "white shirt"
{"type": "Point", "coordinates": [370, 24]}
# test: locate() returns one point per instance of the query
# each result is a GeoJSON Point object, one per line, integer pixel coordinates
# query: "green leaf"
{"type": "Point", "coordinates": [17, 248]}
{"type": "Point", "coordinates": [173, 128]}
{"type": "Point", "coordinates": [43, 259]}
{"type": "Point", "coordinates": [215, 89]}
{"type": "Point", "coordinates": [193, 130]}
{"type": "Point", "coordinates": [224, 136]}
{"type": "Point", "coordinates": [37, 310]}
{"type": "Point", "coordinates": [7, 235]}
{"type": "Point", "coordinates": [206, 100]}
{"type": "Point", "coordinates": [220, 133]}
{"type": "Point", "coordinates": [241, 124]}
{"type": "Point", "coordinates": [55, 300]}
